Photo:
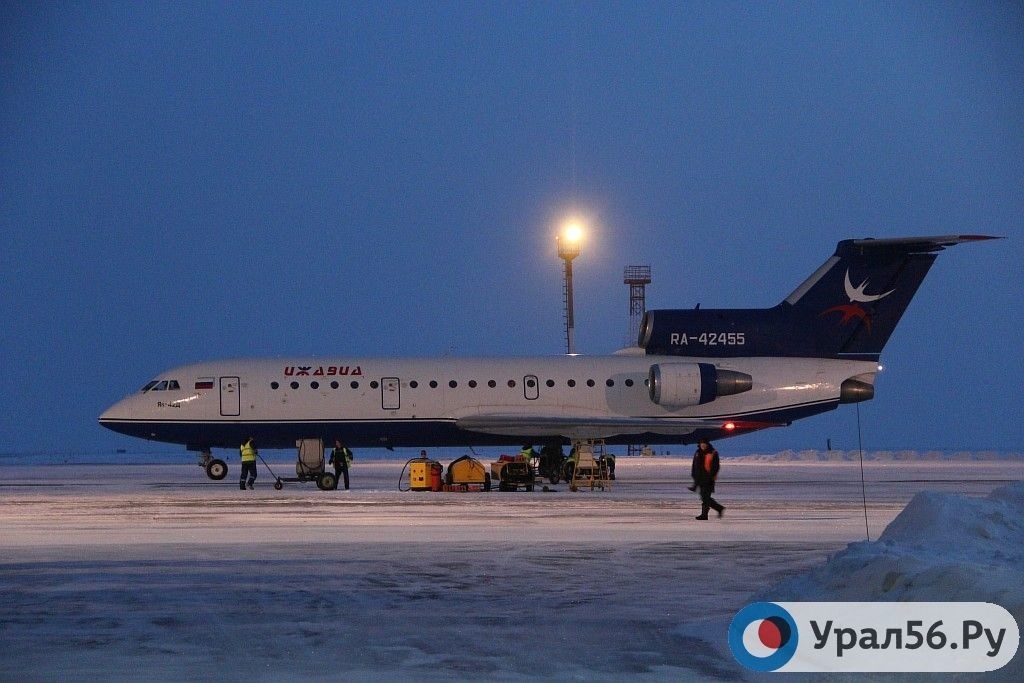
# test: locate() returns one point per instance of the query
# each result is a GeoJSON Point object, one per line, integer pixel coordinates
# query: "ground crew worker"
{"type": "Point", "coordinates": [528, 454]}
{"type": "Point", "coordinates": [571, 462]}
{"type": "Point", "coordinates": [248, 452]}
{"type": "Point", "coordinates": [341, 458]}
{"type": "Point", "coordinates": [704, 472]}
{"type": "Point", "coordinates": [609, 463]}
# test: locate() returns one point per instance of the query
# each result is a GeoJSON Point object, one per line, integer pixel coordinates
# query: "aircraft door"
{"type": "Point", "coordinates": [390, 393]}
{"type": "Point", "coordinates": [531, 387]}
{"type": "Point", "coordinates": [230, 399]}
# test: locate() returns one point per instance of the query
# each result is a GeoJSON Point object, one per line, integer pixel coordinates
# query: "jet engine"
{"type": "Point", "coordinates": [677, 385]}
{"type": "Point", "coordinates": [856, 389]}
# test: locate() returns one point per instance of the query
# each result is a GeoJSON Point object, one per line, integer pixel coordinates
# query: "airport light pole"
{"type": "Point", "coordinates": [568, 249]}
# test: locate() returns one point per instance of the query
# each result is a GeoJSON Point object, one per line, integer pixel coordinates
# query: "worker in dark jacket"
{"type": "Point", "coordinates": [341, 458]}
{"type": "Point", "coordinates": [704, 472]}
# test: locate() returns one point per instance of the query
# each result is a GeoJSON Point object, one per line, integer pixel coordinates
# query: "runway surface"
{"type": "Point", "coordinates": [151, 571]}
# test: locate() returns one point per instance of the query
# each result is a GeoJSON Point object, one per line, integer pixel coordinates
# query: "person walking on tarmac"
{"type": "Point", "coordinates": [248, 452]}
{"type": "Point", "coordinates": [341, 458]}
{"type": "Point", "coordinates": [704, 472]}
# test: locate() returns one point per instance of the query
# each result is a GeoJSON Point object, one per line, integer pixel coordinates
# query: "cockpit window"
{"type": "Point", "coordinates": [162, 385]}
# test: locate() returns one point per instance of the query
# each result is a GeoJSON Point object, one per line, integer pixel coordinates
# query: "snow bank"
{"type": "Point", "coordinates": [942, 547]}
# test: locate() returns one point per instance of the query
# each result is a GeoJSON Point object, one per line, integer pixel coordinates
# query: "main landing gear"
{"type": "Point", "coordinates": [216, 468]}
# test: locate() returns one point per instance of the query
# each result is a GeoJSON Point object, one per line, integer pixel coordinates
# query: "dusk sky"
{"type": "Point", "coordinates": [184, 182]}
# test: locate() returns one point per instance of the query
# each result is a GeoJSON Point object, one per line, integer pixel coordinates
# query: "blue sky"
{"type": "Point", "coordinates": [187, 181]}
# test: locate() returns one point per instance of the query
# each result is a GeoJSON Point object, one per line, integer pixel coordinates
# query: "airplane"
{"type": "Point", "coordinates": [694, 374]}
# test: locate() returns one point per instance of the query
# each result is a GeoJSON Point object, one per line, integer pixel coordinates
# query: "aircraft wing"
{"type": "Point", "coordinates": [593, 427]}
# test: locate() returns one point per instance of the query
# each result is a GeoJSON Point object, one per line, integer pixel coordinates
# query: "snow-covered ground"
{"type": "Point", "coordinates": [152, 572]}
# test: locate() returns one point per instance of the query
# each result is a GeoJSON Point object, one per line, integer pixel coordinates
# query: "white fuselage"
{"type": "Point", "coordinates": [370, 402]}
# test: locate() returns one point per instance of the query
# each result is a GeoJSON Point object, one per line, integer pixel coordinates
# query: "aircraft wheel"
{"type": "Point", "coordinates": [216, 469]}
{"type": "Point", "coordinates": [278, 485]}
{"type": "Point", "coordinates": [327, 482]}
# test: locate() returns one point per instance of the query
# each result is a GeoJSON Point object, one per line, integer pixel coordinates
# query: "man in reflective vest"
{"type": "Point", "coordinates": [704, 472]}
{"type": "Point", "coordinates": [248, 452]}
{"type": "Point", "coordinates": [528, 454]}
{"type": "Point", "coordinates": [341, 458]}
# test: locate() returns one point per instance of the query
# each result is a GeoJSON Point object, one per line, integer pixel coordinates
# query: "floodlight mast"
{"type": "Point", "coordinates": [568, 249]}
{"type": "Point", "coordinates": [637, 278]}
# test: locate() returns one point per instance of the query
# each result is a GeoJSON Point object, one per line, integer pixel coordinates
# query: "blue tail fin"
{"type": "Point", "coordinates": [847, 308]}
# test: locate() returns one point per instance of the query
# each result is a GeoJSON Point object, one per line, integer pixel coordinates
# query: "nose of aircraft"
{"type": "Point", "coordinates": [124, 418]}
{"type": "Point", "coordinates": [114, 414]}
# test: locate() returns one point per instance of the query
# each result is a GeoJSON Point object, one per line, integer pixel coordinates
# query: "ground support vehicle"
{"type": "Point", "coordinates": [551, 466]}
{"type": "Point", "coordinates": [308, 467]}
{"type": "Point", "coordinates": [511, 473]}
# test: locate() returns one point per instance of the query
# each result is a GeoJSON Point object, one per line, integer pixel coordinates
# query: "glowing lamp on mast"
{"type": "Point", "coordinates": [569, 242]}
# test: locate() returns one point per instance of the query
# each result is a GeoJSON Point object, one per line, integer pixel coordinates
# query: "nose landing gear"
{"type": "Point", "coordinates": [216, 468]}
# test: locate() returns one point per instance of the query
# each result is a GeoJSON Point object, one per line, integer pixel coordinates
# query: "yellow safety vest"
{"type": "Point", "coordinates": [341, 456]}
{"type": "Point", "coordinates": [248, 452]}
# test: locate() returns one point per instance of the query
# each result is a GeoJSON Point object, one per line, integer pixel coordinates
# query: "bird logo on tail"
{"type": "Point", "coordinates": [857, 296]}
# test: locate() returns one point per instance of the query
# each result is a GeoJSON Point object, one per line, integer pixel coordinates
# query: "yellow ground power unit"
{"type": "Point", "coordinates": [424, 475]}
{"type": "Point", "coordinates": [467, 474]}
